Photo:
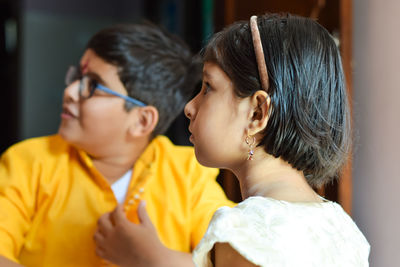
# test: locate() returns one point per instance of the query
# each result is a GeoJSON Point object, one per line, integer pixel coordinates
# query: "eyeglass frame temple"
{"type": "Point", "coordinates": [127, 98]}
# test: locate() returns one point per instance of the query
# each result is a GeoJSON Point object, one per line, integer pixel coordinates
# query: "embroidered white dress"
{"type": "Point", "coordinates": [269, 232]}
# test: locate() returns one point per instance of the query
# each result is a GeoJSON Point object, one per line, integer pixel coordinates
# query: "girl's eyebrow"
{"type": "Point", "coordinates": [207, 75]}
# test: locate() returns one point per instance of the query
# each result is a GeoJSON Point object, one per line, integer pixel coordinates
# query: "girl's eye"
{"type": "Point", "coordinates": [207, 88]}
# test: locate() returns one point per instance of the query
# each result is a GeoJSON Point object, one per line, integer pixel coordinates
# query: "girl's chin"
{"type": "Point", "coordinates": [206, 161]}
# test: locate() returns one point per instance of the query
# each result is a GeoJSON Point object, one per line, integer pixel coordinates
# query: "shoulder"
{"type": "Point", "coordinates": [37, 147]}
{"type": "Point", "coordinates": [273, 232]}
{"type": "Point", "coordinates": [315, 223]}
{"type": "Point", "coordinates": [30, 162]}
{"type": "Point", "coordinates": [164, 145]}
{"type": "Point", "coordinates": [181, 158]}
{"type": "Point", "coordinates": [250, 213]}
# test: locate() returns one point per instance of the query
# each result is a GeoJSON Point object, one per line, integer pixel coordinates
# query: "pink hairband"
{"type": "Point", "coordinates": [258, 49]}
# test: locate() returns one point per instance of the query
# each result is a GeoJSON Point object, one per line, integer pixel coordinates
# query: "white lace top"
{"type": "Point", "coordinates": [269, 232]}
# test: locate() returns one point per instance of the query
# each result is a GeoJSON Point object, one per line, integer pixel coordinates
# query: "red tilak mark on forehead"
{"type": "Point", "coordinates": [84, 67]}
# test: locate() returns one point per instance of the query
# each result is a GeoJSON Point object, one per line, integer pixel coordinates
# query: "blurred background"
{"type": "Point", "coordinates": [39, 39]}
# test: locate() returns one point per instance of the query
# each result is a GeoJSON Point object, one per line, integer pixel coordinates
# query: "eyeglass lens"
{"type": "Point", "coordinates": [87, 86]}
{"type": "Point", "coordinates": [72, 75]}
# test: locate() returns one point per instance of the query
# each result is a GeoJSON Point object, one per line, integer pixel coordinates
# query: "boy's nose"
{"type": "Point", "coordinates": [71, 92]}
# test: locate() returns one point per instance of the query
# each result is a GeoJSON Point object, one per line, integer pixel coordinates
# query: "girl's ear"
{"type": "Point", "coordinates": [143, 122]}
{"type": "Point", "coordinates": [259, 116]}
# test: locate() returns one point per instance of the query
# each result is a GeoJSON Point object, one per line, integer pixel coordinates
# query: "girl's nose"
{"type": "Point", "coordinates": [189, 109]}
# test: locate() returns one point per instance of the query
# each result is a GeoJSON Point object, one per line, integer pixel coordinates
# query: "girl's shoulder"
{"type": "Point", "coordinates": [265, 208]}
{"type": "Point", "coordinates": [280, 216]}
{"type": "Point", "coordinates": [266, 230]}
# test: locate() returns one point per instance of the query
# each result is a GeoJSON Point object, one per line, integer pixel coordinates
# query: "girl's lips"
{"type": "Point", "coordinates": [191, 139]}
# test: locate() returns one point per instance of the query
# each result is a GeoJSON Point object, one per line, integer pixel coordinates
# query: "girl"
{"type": "Point", "coordinates": [273, 109]}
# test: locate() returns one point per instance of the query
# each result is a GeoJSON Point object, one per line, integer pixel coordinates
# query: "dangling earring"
{"type": "Point", "coordinates": [250, 141]}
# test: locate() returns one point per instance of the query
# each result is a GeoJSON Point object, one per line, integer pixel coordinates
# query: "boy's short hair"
{"type": "Point", "coordinates": [309, 123]}
{"type": "Point", "coordinates": [155, 67]}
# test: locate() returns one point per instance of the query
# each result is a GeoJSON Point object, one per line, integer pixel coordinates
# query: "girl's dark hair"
{"type": "Point", "coordinates": [155, 67]}
{"type": "Point", "coordinates": [309, 123]}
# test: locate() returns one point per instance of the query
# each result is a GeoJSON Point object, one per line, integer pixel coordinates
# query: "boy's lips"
{"type": "Point", "coordinates": [68, 113]}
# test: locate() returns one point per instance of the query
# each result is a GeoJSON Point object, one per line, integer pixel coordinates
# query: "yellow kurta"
{"type": "Point", "coordinates": [51, 197]}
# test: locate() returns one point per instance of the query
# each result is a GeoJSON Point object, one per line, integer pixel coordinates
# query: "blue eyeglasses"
{"type": "Point", "coordinates": [88, 86]}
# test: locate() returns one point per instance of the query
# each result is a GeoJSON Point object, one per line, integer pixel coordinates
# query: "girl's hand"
{"type": "Point", "coordinates": [127, 244]}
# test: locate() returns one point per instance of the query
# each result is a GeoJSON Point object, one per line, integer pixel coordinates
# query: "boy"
{"type": "Point", "coordinates": [132, 81]}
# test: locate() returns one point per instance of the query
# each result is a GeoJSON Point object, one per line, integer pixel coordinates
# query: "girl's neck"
{"type": "Point", "coordinates": [272, 177]}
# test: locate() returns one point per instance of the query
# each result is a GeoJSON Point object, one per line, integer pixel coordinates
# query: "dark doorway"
{"type": "Point", "coordinates": [9, 76]}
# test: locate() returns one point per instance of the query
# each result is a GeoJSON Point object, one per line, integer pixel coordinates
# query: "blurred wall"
{"type": "Point", "coordinates": [376, 174]}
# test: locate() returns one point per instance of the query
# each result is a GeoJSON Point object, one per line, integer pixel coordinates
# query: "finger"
{"type": "Point", "coordinates": [105, 257]}
{"type": "Point", "coordinates": [100, 252]}
{"type": "Point", "coordinates": [143, 215]}
{"type": "Point", "coordinates": [99, 241]}
{"type": "Point", "coordinates": [118, 216]}
{"type": "Point", "coordinates": [104, 224]}
{"type": "Point", "coordinates": [98, 238]}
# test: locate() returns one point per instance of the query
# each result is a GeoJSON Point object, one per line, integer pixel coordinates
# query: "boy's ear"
{"type": "Point", "coordinates": [144, 121]}
{"type": "Point", "coordinates": [259, 115]}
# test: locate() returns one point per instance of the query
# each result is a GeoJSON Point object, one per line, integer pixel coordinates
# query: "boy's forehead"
{"type": "Point", "coordinates": [84, 64]}
{"type": "Point", "coordinates": [91, 62]}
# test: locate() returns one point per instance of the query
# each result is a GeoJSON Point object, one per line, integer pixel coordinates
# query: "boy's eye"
{"type": "Point", "coordinates": [92, 86]}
